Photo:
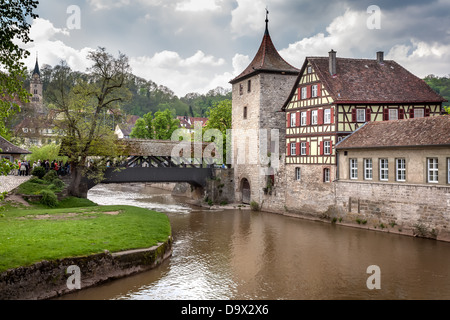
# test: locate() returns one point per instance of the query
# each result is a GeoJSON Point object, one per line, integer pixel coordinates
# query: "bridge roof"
{"type": "Point", "coordinates": [159, 148]}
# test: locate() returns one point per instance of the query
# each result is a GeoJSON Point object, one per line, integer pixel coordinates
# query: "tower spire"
{"type": "Point", "coordinates": [267, 21]}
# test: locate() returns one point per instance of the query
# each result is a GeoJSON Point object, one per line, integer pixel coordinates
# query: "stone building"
{"type": "Point", "coordinates": [10, 151]}
{"type": "Point", "coordinates": [331, 98]}
{"type": "Point", "coordinates": [256, 96]}
{"type": "Point", "coordinates": [36, 90]}
{"type": "Point", "coordinates": [397, 172]}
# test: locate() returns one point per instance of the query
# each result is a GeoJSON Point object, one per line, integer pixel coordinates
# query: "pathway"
{"type": "Point", "coordinates": [9, 183]}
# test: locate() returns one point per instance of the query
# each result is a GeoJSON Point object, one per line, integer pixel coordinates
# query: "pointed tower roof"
{"type": "Point", "coordinates": [36, 68]}
{"type": "Point", "coordinates": [267, 60]}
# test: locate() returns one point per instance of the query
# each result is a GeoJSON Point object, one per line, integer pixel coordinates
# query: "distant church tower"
{"type": "Point", "coordinates": [36, 89]}
{"type": "Point", "coordinates": [258, 96]}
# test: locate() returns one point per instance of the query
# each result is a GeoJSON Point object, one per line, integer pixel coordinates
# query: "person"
{"type": "Point", "coordinates": [23, 168]}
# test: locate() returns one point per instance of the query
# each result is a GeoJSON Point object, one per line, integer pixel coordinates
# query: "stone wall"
{"type": "Point", "coordinates": [48, 279]}
{"type": "Point", "coordinates": [264, 102]}
{"type": "Point", "coordinates": [221, 188]}
{"type": "Point", "coordinates": [423, 210]}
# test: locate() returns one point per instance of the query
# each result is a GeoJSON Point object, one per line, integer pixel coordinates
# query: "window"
{"type": "Point", "coordinates": [315, 91]}
{"type": "Point", "coordinates": [419, 113]}
{"type": "Point", "coordinates": [304, 93]}
{"type": "Point", "coordinates": [361, 115]}
{"type": "Point", "coordinates": [400, 165]}
{"type": "Point", "coordinates": [353, 169]}
{"type": "Point", "coordinates": [249, 86]}
{"type": "Point", "coordinates": [384, 170]}
{"type": "Point", "coordinates": [303, 119]}
{"type": "Point", "coordinates": [326, 175]}
{"type": "Point", "coordinates": [293, 120]}
{"type": "Point", "coordinates": [245, 113]}
{"type": "Point", "coordinates": [314, 117]}
{"type": "Point", "coordinates": [297, 174]}
{"type": "Point", "coordinates": [368, 169]}
{"type": "Point", "coordinates": [293, 149]}
{"type": "Point", "coordinates": [327, 116]}
{"type": "Point", "coordinates": [309, 69]}
{"type": "Point", "coordinates": [327, 147]}
{"type": "Point", "coordinates": [433, 170]}
{"type": "Point", "coordinates": [393, 114]}
{"type": "Point", "coordinates": [241, 89]}
{"type": "Point", "coordinates": [303, 149]}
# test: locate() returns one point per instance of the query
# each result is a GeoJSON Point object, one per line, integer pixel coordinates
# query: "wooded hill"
{"type": "Point", "coordinates": [147, 96]}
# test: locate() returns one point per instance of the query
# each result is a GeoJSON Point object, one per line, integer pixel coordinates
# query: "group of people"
{"type": "Point", "coordinates": [26, 167]}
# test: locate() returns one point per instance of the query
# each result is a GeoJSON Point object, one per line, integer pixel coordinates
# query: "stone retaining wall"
{"type": "Point", "coordinates": [49, 279]}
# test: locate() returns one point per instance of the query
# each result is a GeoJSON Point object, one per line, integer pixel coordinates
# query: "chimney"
{"type": "Point", "coordinates": [380, 56]}
{"type": "Point", "coordinates": [332, 62]}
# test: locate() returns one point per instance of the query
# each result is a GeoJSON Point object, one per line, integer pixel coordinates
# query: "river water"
{"type": "Point", "coordinates": [244, 255]}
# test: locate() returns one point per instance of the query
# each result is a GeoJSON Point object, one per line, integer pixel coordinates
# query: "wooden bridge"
{"type": "Point", "coordinates": [162, 161]}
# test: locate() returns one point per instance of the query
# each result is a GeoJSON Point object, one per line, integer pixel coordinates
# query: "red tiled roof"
{"type": "Point", "coordinates": [428, 131]}
{"type": "Point", "coordinates": [368, 81]}
{"type": "Point", "coordinates": [267, 59]}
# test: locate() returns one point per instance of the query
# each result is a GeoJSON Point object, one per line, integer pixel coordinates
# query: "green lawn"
{"type": "Point", "coordinates": [30, 235]}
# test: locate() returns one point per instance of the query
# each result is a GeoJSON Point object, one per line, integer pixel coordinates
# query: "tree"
{"type": "Point", "coordinates": [220, 118]}
{"type": "Point", "coordinates": [82, 104]}
{"type": "Point", "coordinates": [159, 127]}
{"type": "Point", "coordinates": [13, 28]}
{"type": "Point", "coordinates": [144, 128]}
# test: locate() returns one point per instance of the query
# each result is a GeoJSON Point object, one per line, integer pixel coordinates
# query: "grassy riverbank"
{"type": "Point", "coordinates": [76, 227]}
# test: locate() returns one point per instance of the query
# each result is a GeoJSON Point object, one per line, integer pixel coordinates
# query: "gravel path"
{"type": "Point", "coordinates": [9, 183]}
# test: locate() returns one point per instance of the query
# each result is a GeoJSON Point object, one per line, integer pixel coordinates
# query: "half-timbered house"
{"type": "Point", "coordinates": [331, 98]}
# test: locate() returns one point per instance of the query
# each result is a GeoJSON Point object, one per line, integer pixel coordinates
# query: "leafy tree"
{"type": "Point", "coordinates": [82, 104]}
{"type": "Point", "coordinates": [13, 26]}
{"type": "Point", "coordinates": [220, 118]}
{"type": "Point", "coordinates": [440, 85]}
{"type": "Point", "coordinates": [144, 128]}
{"type": "Point", "coordinates": [47, 152]}
{"type": "Point", "coordinates": [164, 125]}
{"type": "Point", "coordinates": [159, 127]}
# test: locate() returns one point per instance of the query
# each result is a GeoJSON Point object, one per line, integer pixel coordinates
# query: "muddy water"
{"type": "Point", "coordinates": [237, 254]}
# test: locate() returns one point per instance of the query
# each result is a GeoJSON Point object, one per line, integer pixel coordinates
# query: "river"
{"type": "Point", "coordinates": [245, 255]}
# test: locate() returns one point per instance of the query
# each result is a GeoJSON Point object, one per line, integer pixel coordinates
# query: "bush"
{"type": "Point", "coordinates": [254, 206]}
{"type": "Point", "coordinates": [58, 183]}
{"type": "Point", "coordinates": [38, 172]}
{"type": "Point", "coordinates": [50, 176]}
{"type": "Point", "coordinates": [49, 198]}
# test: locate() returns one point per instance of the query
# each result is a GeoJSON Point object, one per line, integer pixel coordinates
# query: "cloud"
{"type": "Point", "coordinates": [51, 50]}
{"type": "Point", "coordinates": [422, 58]}
{"type": "Point", "coordinates": [247, 18]}
{"type": "Point", "coordinates": [198, 5]}
{"type": "Point", "coordinates": [183, 75]}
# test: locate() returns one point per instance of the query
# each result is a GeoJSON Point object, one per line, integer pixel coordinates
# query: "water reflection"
{"type": "Point", "coordinates": [238, 254]}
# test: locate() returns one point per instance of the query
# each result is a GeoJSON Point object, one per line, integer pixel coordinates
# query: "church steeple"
{"type": "Point", "coordinates": [267, 59]}
{"type": "Point", "coordinates": [36, 68]}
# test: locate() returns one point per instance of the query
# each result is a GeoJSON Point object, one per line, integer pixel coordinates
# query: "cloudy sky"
{"type": "Point", "coordinates": [197, 45]}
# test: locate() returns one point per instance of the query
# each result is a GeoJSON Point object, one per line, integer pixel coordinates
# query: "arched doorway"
{"type": "Point", "coordinates": [246, 193]}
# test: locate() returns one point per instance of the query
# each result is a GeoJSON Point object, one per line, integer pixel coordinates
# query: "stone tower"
{"type": "Point", "coordinates": [258, 95]}
{"type": "Point", "coordinates": [36, 89]}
